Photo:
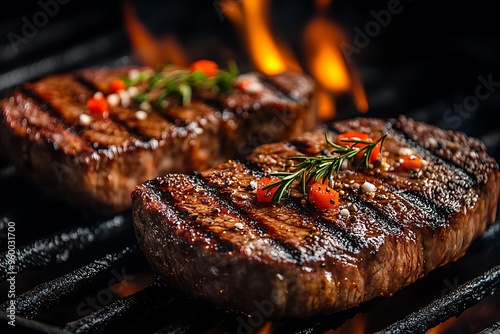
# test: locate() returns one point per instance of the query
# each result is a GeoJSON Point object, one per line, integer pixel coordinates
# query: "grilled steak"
{"type": "Point", "coordinates": [209, 236]}
{"type": "Point", "coordinates": [94, 161]}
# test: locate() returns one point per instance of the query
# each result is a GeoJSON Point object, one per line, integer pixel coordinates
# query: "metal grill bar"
{"type": "Point", "coordinates": [59, 247]}
{"type": "Point", "coordinates": [450, 305]}
{"type": "Point", "coordinates": [71, 286]}
{"type": "Point", "coordinates": [121, 312]}
{"type": "Point", "coordinates": [495, 329]}
{"type": "Point", "coordinates": [29, 326]}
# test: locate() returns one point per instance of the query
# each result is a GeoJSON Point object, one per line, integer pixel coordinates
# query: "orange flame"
{"type": "Point", "coordinates": [130, 286]}
{"type": "Point", "coordinates": [356, 325]}
{"type": "Point", "coordinates": [267, 328]}
{"type": "Point", "coordinates": [150, 50]}
{"type": "Point", "coordinates": [251, 18]}
{"type": "Point", "coordinates": [325, 60]}
{"type": "Point", "coordinates": [327, 64]}
{"type": "Point", "coordinates": [321, 38]}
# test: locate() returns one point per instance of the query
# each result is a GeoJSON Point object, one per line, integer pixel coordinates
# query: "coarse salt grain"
{"type": "Point", "coordinates": [85, 119]}
{"type": "Point", "coordinates": [405, 151]}
{"type": "Point", "coordinates": [431, 142]}
{"type": "Point", "coordinates": [345, 212]}
{"type": "Point", "coordinates": [113, 100]}
{"type": "Point", "coordinates": [254, 87]}
{"type": "Point", "coordinates": [345, 164]}
{"type": "Point", "coordinates": [125, 98]}
{"type": "Point", "coordinates": [368, 187]}
{"type": "Point", "coordinates": [133, 91]}
{"type": "Point", "coordinates": [98, 95]}
{"type": "Point", "coordinates": [141, 114]}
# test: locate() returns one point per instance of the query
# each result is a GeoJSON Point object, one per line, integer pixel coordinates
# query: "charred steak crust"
{"type": "Point", "coordinates": [95, 166]}
{"type": "Point", "coordinates": [208, 235]}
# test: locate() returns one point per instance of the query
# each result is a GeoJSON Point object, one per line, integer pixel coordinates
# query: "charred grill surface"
{"type": "Point", "coordinates": [97, 165]}
{"type": "Point", "coordinates": [209, 236]}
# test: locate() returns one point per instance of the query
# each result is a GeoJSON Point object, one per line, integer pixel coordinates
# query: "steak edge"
{"type": "Point", "coordinates": [95, 166]}
{"type": "Point", "coordinates": [208, 236]}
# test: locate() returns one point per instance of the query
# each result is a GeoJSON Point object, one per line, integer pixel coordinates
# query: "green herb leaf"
{"type": "Point", "coordinates": [323, 167]}
{"type": "Point", "coordinates": [182, 82]}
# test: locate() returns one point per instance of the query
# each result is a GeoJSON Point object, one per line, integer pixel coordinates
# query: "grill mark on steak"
{"type": "Point", "coordinates": [90, 81]}
{"type": "Point", "coordinates": [355, 242]}
{"type": "Point", "coordinates": [132, 130]}
{"type": "Point", "coordinates": [57, 116]}
{"type": "Point", "coordinates": [474, 158]}
{"type": "Point", "coordinates": [263, 229]}
{"type": "Point", "coordinates": [252, 166]}
{"type": "Point", "coordinates": [468, 179]}
{"type": "Point", "coordinates": [68, 97]}
{"type": "Point", "coordinates": [188, 218]}
{"type": "Point", "coordinates": [449, 192]}
{"type": "Point", "coordinates": [437, 215]}
{"type": "Point", "coordinates": [350, 242]}
{"type": "Point", "coordinates": [347, 240]}
{"type": "Point", "coordinates": [53, 112]}
{"type": "Point", "coordinates": [388, 225]}
{"type": "Point", "coordinates": [288, 86]}
{"type": "Point", "coordinates": [280, 93]}
{"type": "Point", "coordinates": [426, 211]}
{"type": "Point", "coordinates": [392, 128]}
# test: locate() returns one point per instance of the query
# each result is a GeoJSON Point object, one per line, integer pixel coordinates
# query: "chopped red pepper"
{"type": "Point", "coordinates": [409, 162]}
{"type": "Point", "coordinates": [266, 196]}
{"type": "Point", "coordinates": [355, 135]}
{"type": "Point", "coordinates": [243, 84]}
{"type": "Point", "coordinates": [322, 196]}
{"type": "Point", "coordinates": [117, 85]}
{"type": "Point", "coordinates": [207, 67]}
{"type": "Point", "coordinates": [98, 104]}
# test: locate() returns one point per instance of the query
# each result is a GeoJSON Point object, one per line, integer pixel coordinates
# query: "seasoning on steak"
{"type": "Point", "coordinates": [94, 160]}
{"type": "Point", "coordinates": [209, 236]}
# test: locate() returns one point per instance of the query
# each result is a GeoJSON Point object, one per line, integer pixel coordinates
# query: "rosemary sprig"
{"type": "Point", "coordinates": [181, 83]}
{"type": "Point", "coordinates": [323, 167]}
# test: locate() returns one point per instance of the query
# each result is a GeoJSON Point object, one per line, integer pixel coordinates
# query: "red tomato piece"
{"type": "Point", "coordinates": [98, 104]}
{"type": "Point", "coordinates": [117, 85]}
{"type": "Point", "coordinates": [266, 196]}
{"type": "Point", "coordinates": [207, 67]}
{"type": "Point", "coordinates": [409, 162]}
{"type": "Point", "coordinates": [243, 84]}
{"type": "Point", "coordinates": [322, 196]}
{"type": "Point", "coordinates": [355, 135]}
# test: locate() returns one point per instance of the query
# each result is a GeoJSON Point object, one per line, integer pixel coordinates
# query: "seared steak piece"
{"type": "Point", "coordinates": [209, 236]}
{"type": "Point", "coordinates": [94, 161]}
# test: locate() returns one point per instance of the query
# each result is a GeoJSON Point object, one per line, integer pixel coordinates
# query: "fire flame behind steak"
{"type": "Point", "coordinates": [96, 164]}
{"type": "Point", "coordinates": [211, 238]}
